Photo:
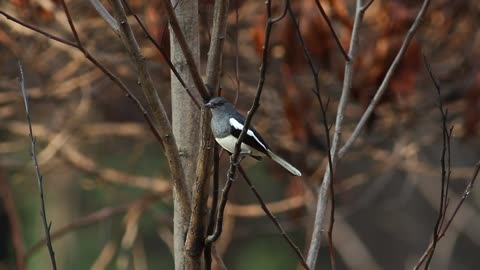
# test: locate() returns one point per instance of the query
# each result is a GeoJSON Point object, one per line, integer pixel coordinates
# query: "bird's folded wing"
{"type": "Point", "coordinates": [252, 138]}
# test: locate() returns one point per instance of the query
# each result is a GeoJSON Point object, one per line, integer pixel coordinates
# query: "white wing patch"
{"type": "Point", "coordinates": [239, 126]}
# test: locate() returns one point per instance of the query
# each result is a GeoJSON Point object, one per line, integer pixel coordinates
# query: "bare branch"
{"type": "Point", "coordinates": [338, 154]}
{"type": "Point", "coordinates": [234, 158]}
{"type": "Point", "coordinates": [197, 79]}
{"type": "Point", "coordinates": [367, 5]}
{"type": "Point", "coordinates": [107, 72]}
{"type": "Point", "coordinates": [386, 80]}
{"type": "Point", "coordinates": [221, 210]}
{"type": "Point", "coordinates": [465, 195]}
{"type": "Point", "coordinates": [219, 29]}
{"type": "Point", "coordinates": [323, 195]}
{"type": "Point", "coordinates": [441, 227]}
{"type": "Point", "coordinates": [323, 108]}
{"type": "Point", "coordinates": [445, 179]}
{"type": "Point", "coordinates": [106, 15]}
{"type": "Point", "coordinates": [38, 30]}
{"type": "Point", "coordinates": [181, 188]}
{"type": "Point", "coordinates": [196, 230]}
{"type": "Point", "coordinates": [213, 210]}
{"type": "Point", "coordinates": [43, 212]}
{"type": "Point", "coordinates": [160, 116]}
{"type": "Point", "coordinates": [164, 54]}
{"type": "Point", "coordinates": [274, 219]}
{"type": "Point", "coordinates": [334, 34]}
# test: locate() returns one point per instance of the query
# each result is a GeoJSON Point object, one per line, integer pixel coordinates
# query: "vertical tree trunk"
{"type": "Point", "coordinates": [185, 116]}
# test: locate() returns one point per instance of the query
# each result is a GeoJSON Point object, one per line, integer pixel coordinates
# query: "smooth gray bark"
{"type": "Point", "coordinates": [185, 115]}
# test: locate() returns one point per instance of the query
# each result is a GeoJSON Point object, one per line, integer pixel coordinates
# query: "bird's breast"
{"type": "Point", "coordinates": [228, 143]}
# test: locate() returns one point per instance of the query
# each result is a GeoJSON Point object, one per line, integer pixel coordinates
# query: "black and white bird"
{"type": "Point", "coordinates": [227, 124]}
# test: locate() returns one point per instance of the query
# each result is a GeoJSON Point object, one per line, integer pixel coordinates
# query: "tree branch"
{"type": "Point", "coordinates": [107, 72]}
{"type": "Point", "coordinates": [197, 79]}
{"type": "Point", "coordinates": [43, 213]}
{"type": "Point", "coordinates": [38, 30]}
{"type": "Point", "coordinates": [165, 55]}
{"type": "Point", "coordinates": [160, 116]}
{"type": "Point", "coordinates": [181, 188]}
{"type": "Point", "coordinates": [445, 177]}
{"type": "Point", "coordinates": [196, 231]}
{"type": "Point", "coordinates": [323, 195]}
{"type": "Point", "coordinates": [213, 210]}
{"type": "Point", "coordinates": [466, 193]}
{"type": "Point", "coordinates": [323, 109]}
{"type": "Point", "coordinates": [274, 219]}
{"type": "Point", "coordinates": [338, 154]}
{"type": "Point", "coordinates": [234, 158]}
{"type": "Point", "coordinates": [219, 29]}
{"type": "Point", "coordinates": [334, 34]}
{"type": "Point", "coordinates": [106, 15]}
{"type": "Point", "coordinates": [386, 80]}
{"type": "Point", "coordinates": [441, 227]}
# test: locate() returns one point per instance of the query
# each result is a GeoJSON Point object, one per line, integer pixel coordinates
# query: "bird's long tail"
{"type": "Point", "coordinates": [284, 164]}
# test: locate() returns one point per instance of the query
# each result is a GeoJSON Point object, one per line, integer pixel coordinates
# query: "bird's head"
{"type": "Point", "coordinates": [217, 103]}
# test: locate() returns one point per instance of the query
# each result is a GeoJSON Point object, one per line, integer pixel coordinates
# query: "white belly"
{"type": "Point", "coordinates": [228, 143]}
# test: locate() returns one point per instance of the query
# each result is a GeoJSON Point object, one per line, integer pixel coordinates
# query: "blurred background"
{"type": "Point", "coordinates": [107, 186]}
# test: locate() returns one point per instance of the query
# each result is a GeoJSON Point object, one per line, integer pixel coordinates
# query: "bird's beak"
{"type": "Point", "coordinates": [209, 105]}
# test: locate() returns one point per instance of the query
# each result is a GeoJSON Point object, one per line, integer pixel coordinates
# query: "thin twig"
{"type": "Point", "coordinates": [221, 211]}
{"type": "Point", "coordinates": [323, 108]}
{"type": "Point", "coordinates": [195, 73]}
{"type": "Point", "coordinates": [334, 34]}
{"type": "Point", "coordinates": [465, 195]}
{"type": "Point", "coordinates": [43, 213]}
{"type": "Point", "coordinates": [163, 52]}
{"type": "Point", "coordinates": [38, 30]}
{"type": "Point", "coordinates": [441, 227]}
{"type": "Point", "coordinates": [234, 159]}
{"type": "Point", "coordinates": [215, 52]}
{"type": "Point", "coordinates": [367, 5]}
{"type": "Point", "coordinates": [445, 179]}
{"type": "Point", "coordinates": [274, 219]}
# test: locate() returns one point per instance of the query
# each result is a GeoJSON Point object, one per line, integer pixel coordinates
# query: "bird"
{"type": "Point", "coordinates": [227, 124]}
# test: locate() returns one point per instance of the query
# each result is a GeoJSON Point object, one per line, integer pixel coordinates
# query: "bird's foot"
{"type": "Point", "coordinates": [238, 161]}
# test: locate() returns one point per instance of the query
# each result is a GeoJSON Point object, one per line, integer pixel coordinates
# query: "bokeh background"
{"type": "Point", "coordinates": [106, 182]}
